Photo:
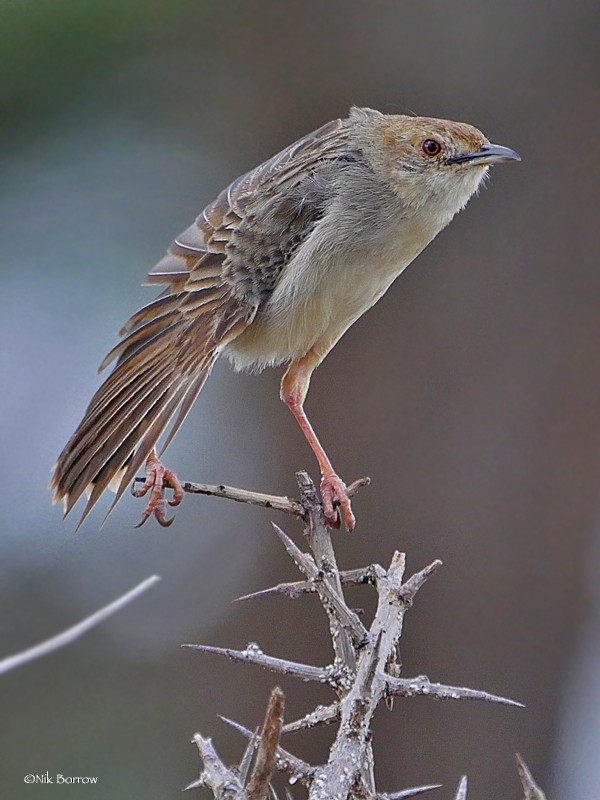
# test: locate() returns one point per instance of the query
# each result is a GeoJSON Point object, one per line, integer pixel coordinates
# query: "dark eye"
{"type": "Point", "coordinates": [431, 147]}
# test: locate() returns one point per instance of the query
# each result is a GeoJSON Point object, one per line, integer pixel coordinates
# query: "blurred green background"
{"type": "Point", "coordinates": [470, 394]}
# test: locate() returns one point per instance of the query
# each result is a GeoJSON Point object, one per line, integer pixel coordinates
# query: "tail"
{"type": "Point", "coordinates": [161, 366]}
{"type": "Point", "coordinates": [169, 348]}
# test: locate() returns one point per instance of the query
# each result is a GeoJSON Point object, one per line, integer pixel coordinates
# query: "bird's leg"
{"type": "Point", "coordinates": [294, 387]}
{"type": "Point", "coordinates": [157, 478]}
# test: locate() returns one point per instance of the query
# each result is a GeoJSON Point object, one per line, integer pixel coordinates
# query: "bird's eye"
{"type": "Point", "coordinates": [431, 147]}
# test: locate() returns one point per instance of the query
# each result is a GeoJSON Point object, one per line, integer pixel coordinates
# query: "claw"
{"type": "Point", "coordinates": [160, 512]}
{"type": "Point", "coordinates": [336, 503]}
{"type": "Point", "coordinates": [158, 478]}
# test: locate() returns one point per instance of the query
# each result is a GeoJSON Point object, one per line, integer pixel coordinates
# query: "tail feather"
{"type": "Point", "coordinates": [133, 451]}
{"type": "Point", "coordinates": [162, 364]}
{"type": "Point", "coordinates": [92, 433]}
{"type": "Point", "coordinates": [149, 439]}
{"type": "Point", "coordinates": [124, 375]}
{"type": "Point", "coordinates": [140, 336]}
{"type": "Point", "coordinates": [188, 401]}
{"type": "Point", "coordinates": [90, 463]}
{"type": "Point", "coordinates": [161, 305]}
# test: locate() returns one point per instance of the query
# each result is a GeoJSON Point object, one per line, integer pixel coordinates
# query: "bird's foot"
{"type": "Point", "coordinates": [336, 501]}
{"type": "Point", "coordinates": [159, 478]}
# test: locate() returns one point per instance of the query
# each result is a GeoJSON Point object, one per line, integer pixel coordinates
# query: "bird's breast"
{"type": "Point", "coordinates": [332, 280]}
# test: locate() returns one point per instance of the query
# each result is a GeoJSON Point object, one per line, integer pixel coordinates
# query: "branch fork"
{"type": "Point", "coordinates": [363, 672]}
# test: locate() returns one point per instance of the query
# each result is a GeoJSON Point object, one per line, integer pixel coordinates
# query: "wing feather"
{"type": "Point", "coordinates": [101, 427]}
{"type": "Point", "coordinates": [214, 288]}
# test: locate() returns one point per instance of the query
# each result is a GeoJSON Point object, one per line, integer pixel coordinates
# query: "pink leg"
{"type": "Point", "coordinates": [294, 387]}
{"type": "Point", "coordinates": [157, 476]}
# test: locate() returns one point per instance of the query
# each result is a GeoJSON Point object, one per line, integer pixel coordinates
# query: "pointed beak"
{"type": "Point", "coordinates": [488, 154]}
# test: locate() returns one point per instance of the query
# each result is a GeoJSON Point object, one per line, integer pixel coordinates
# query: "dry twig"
{"type": "Point", "coordinates": [266, 757]}
{"type": "Point", "coordinates": [73, 633]}
{"type": "Point", "coordinates": [244, 496]}
{"type": "Point", "coordinates": [223, 781]}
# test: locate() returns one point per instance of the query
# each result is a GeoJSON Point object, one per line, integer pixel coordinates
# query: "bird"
{"type": "Point", "coordinates": [273, 273]}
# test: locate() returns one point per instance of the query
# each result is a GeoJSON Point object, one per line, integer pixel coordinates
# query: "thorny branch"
{"type": "Point", "coordinates": [298, 769]}
{"type": "Point", "coordinates": [364, 670]}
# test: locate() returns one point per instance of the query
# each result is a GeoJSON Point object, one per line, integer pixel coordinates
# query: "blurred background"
{"type": "Point", "coordinates": [470, 394]}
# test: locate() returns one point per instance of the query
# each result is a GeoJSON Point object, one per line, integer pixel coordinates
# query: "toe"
{"type": "Point", "coordinates": [145, 514]}
{"type": "Point", "coordinates": [349, 518]}
{"type": "Point", "coordinates": [157, 478]}
{"type": "Point", "coordinates": [328, 509]}
{"type": "Point", "coordinates": [160, 512]}
{"type": "Point", "coordinates": [171, 479]}
{"type": "Point", "coordinates": [336, 503]}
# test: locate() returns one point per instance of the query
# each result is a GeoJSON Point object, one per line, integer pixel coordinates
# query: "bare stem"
{"type": "Point", "coordinates": [319, 538]}
{"type": "Point", "coordinates": [265, 764]}
{"type": "Point", "coordinates": [223, 781]}
{"type": "Point", "coordinates": [73, 633]}
{"type": "Point", "coordinates": [285, 504]}
{"type": "Point", "coordinates": [286, 762]}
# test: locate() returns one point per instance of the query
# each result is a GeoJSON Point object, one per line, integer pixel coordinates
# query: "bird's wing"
{"type": "Point", "coordinates": [219, 270]}
{"type": "Point", "coordinates": [259, 220]}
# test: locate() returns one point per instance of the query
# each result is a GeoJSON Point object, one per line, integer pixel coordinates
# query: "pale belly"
{"type": "Point", "coordinates": [318, 299]}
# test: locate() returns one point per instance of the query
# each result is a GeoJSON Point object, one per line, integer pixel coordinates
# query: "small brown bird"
{"type": "Point", "coordinates": [274, 271]}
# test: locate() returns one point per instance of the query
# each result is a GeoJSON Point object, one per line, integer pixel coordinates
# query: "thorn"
{"type": "Point", "coordinates": [286, 762]}
{"type": "Point", "coordinates": [409, 589]}
{"type": "Point", "coordinates": [421, 686]}
{"type": "Point", "coordinates": [346, 618]}
{"type": "Point", "coordinates": [194, 785]}
{"type": "Point", "coordinates": [254, 655]}
{"type": "Point", "coordinates": [408, 792]}
{"type": "Point", "coordinates": [396, 569]}
{"type": "Point", "coordinates": [461, 792]}
{"type": "Point", "coordinates": [322, 715]}
{"type": "Point", "coordinates": [292, 590]}
{"type": "Point", "coordinates": [357, 484]}
{"type": "Point", "coordinates": [530, 787]}
{"type": "Point", "coordinates": [285, 504]}
{"type": "Point", "coordinates": [352, 577]}
{"type": "Point", "coordinates": [236, 726]}
{"type": "Point", "coordinates": [244, 766]}
{"type": "Point", "coordinates": [294, 551]}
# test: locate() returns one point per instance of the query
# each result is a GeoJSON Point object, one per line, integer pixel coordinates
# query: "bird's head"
{"type": "Point", "coordinates": [426, 161]}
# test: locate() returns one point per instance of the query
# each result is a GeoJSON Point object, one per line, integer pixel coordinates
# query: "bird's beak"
{"type": "Point", "coordinates": [488, 154]}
